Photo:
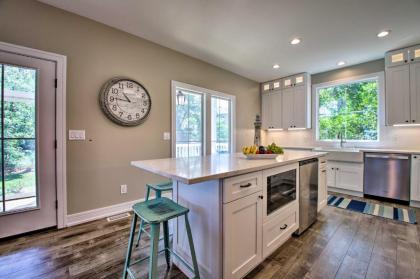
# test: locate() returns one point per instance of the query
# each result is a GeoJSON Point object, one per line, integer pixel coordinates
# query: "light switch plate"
{"type": "Point", "coordinates": [166, 136]}
{"type": "Point", "coordinates": [77, 135]}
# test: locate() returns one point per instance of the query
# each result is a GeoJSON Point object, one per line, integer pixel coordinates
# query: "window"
{"type": "Point", "coordinates": [195, 131]}
{"type": "Point", "coordinates": [350, 108]}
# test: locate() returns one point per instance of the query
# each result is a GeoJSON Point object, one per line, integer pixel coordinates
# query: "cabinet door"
{"type": "Point", "coordinates": [397, 95]}
{"type": "Point", "coordinates": [300, 111]}
{"type": "Point", "coordinates": [415, 178]}
{"type": "Point", "coordinates": [265, 87]}
{"type": "Point", "coordinates": [265, 111]}
{"type": "Point", "coordinates": [396, 58]}
{"type": "Point", "coordinates": [331, 175]}
{"type": "Point", "coordinates": [322, 188]}
{"type": "Point", "coordinates": [242, 224]}
{"type": "Point", "coordinates": [287, 108]}
{"type": "Point", "coordinates": [299, 80]}
{"type": "Point", "coordinates": [415, 91]}
{"type": "Point", "coordinates": [276, 108]}
{"type": "Point", "coordinates": [349, 176]}
{"type": "Point", "coordinates": [415, 53]}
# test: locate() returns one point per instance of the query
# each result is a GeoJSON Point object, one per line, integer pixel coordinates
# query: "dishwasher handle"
{"type": "Point", "coordinates": [391, 156]}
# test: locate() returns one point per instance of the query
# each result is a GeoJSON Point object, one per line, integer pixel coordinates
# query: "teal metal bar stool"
{"type": "Point", "coordinates": [155, 212]}
{"type": "Point", "coordinates": [159, 188]}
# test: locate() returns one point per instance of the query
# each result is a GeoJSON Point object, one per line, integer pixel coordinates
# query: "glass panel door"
{"type": "Point", "coordinates": [220, 125]}
{"type": "Point", "coordinates": [18, 138]}
{"type": "Point", "coordinates": [189, 123]}
{"type": "Point", "coordinates": [281, 189]}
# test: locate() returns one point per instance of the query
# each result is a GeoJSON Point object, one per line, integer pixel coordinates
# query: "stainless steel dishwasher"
{"type": "Point", "coordinates": [308, 194]}
{"type": "Point", "coordinates": [387, 176]}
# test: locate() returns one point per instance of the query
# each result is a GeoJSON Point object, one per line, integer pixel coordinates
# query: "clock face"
{"type": "Point", "coordinates": [125, 101]}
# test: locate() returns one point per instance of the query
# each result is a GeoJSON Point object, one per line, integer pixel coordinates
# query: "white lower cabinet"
{"type": "Point", "coordinates": [278, 230]}
{"type": "Point", "coordinates": [242, 223]}
{"type": "Point", "coordinates": [415, 181]}
{"type": "Point", "coordinates": [322, 183]}
{"type": "Point", "coordinates": [345, 175]}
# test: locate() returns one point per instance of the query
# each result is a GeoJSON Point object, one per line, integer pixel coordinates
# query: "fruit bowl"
{"type": "Point", "coordinates": [261, 156]}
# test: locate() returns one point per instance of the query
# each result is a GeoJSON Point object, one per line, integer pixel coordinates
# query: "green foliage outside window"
{"type": "Point", "coordinates": [351, 109]}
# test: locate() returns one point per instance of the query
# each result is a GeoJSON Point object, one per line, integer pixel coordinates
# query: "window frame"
{"type": "Point", "coordinates": [206, 112]}
{"type": "Point", "coordinates": [379, 77]}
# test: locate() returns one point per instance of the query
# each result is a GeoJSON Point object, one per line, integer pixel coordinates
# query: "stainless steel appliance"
{"type": "Point", "coordinates": [308, 194]}
{"type": "Point", "coordinates": [387, 175]}
{"type": "Point", "coordinates": [281, 189]}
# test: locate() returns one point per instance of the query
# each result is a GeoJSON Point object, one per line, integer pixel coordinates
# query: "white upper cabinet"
{"type": "Point", "coordinates": [402, 93]}
{"type": "Point", "coordinates": [286, 103]}
{"type": "Point", "coordinates": [271, 110]}
{"type": "Point", "coordinates": [398, 94]}
{"type": "Point", "coordinates": [415, 92]}
{"type": "Point", "coordinates": [414, 53]}
{"type": "Point", "coordinates": [396, 57]}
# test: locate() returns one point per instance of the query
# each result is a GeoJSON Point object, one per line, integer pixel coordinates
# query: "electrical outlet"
{"type": "Point", "coordinates": [77, 135]}
{"type": "Point", "coordinates": [124, 189]}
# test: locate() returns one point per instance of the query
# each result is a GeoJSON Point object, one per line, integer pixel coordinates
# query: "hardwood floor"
{"type": "Point", "coordinates": [342, 244]}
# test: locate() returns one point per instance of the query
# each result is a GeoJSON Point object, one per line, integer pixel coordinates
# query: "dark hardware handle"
{"type": "Point", "coordinates": [246, 185]}
{"type": "Point", "coordinates": [412, 59]}
{"type": "Point", "coordinates": [284, 227]}
{"type": "Point", "coordinates": [261, 197]}
{"type": "Point", "coordinates": [415, 157]}
{"type": "Point", "coordinates": [324, 171]}
{"type": "Point", "coordinates": [406, 121]}
{"type": "Point", "coordinates": [414, 120]}
{"type": "Point", "coordinates": [405, 61]}
{"type": "Point", "coordinates": [337, 169]}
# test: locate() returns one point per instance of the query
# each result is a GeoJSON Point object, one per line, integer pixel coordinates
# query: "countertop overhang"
{"type": "Point", "coordinates": [199, 169]}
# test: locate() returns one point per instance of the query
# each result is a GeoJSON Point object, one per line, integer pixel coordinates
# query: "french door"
{"type": "Point", "coordinates": [202, 121]}
{"type": "Point", "coordinates": [27, 144]}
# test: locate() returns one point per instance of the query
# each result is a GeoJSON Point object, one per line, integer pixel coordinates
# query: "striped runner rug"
{"type": "Point", "coordinates": [389, 212]}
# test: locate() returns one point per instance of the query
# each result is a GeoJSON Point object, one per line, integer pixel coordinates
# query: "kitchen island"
{"type": "Point", "coordinates": [235, 221]}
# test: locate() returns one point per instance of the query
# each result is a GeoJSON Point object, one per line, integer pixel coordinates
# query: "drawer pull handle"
{"type": "Point", "coordinates": [324, 171]}
{"type": "Point", "coordinates": [284, 227]}
{"type": "Point", "coordinates": [246, 185]}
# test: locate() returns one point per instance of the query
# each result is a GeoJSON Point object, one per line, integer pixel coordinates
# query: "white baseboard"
{"type": "Point", "coordinates": [103, 212]}
{"type": "Point", "coordinates": [344, 191]}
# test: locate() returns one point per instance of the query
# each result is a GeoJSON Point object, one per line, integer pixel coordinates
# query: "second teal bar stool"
{"type": "Point", "coordinates": [159, 188]}
{"type": "Point", "coordinates": [155, 212]}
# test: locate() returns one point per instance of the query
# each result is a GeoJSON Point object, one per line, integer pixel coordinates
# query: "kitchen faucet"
{"type": "Point", "coordinates": [340, 136]}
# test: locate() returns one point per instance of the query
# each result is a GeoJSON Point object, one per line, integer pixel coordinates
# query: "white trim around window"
{"type": "Point", "coordinates": [379, 76]}
{"type": "Point", "coordinates": [206, 113]}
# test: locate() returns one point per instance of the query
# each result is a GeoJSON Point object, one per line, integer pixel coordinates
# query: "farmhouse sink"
{"type": "Point", "coordinates": [345, 154]}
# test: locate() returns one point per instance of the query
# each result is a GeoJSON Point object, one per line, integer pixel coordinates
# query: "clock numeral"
{"type": "Point", "coordinates": [143, 110]}
{"type": "Point", "coordinates": [111, 99]}
{"type": "Point", "coordinates": [138, 88]}
{"type": "Point", "coordinates": [145, 103]}
{"type": "Point", "coordinates": [121, 113]}
{"type": "Point", "coordinates": [143, 95]}
{"type": "Point", "coordinates": [129, 84]}
{"type": "Point", "coordinates": [129, 117]}
{"type": "Point", "coordinates": [120, 85]}
{"type": "Point", "coordinates": [114, 91]}
{"type": "Point", "coordinates": [137, 115]}
{"type": "Point", "coordinates": [114, 107]}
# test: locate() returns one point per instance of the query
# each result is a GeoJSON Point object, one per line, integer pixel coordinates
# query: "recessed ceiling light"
{"type": "Point", "coordinates": [383, 33]}
{"type": "Point", "coordinates": [341, 63]}
{"type": "Point", "coordinates": [276, 66]}
{"type": "Point", "coordinates": [295, 41]}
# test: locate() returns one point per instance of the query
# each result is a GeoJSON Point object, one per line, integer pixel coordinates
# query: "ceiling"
{"type": "Point", "coordinates": [248, 36]}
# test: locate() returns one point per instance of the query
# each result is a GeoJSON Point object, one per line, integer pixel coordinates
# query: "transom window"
{"type": "Point", "coordinates": [349, 108]}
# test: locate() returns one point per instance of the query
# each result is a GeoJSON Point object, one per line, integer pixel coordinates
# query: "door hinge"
{"type": "Point", "coordinates": [55, 83]}
{"type": "Point", "coordinates": [56, 204]}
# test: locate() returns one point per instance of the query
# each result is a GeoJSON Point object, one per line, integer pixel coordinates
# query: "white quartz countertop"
{"type": "Point", "coordinates": [198, 169]}
{"type": "Point", "coordinates": [357, 149]}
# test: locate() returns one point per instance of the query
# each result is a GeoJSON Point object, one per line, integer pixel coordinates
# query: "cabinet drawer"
{"type": "Point", "coordinates": [241, 186]}
{"type": "Point", "coordinates": [277, 231]}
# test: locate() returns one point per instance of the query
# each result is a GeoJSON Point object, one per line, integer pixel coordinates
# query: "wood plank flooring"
{"type": "Point", "coordinates": [342, 244]}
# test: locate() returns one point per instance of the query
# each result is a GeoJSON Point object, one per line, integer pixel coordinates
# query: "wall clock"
{"type": "Point", "coordinates": [125, 101]}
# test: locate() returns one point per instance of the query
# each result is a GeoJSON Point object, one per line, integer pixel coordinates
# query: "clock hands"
{"type": "Point", "coordinates": [128, 100]}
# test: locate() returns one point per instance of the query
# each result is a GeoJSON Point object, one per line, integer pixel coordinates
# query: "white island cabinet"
{"type": "Point", "coordinates": [235, 222]}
